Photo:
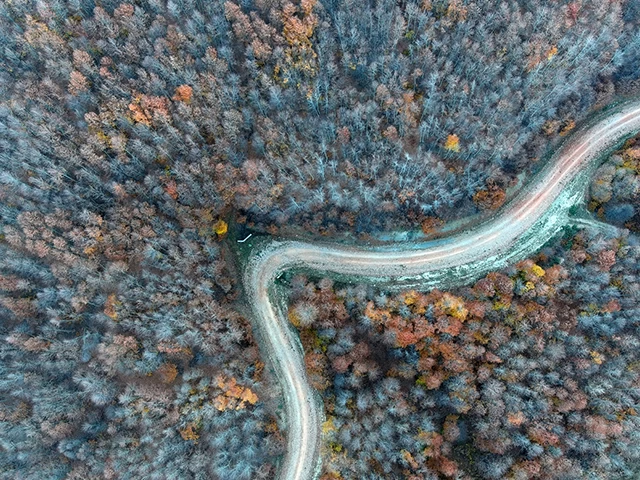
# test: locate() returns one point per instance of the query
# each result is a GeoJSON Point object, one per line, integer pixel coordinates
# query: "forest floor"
{"type": "Point", "coordinates": [519, 229]}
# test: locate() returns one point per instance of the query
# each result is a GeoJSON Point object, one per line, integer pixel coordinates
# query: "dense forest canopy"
{"type": "Point", "coordinates": [134, 136]}
{"type": "Point", "coordinates": [328, 115]}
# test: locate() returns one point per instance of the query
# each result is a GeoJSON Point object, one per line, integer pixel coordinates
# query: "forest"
{"type": "Point", "coordinates": [615, 189]}
{"type": "Point", "coordinates": [135, 137]}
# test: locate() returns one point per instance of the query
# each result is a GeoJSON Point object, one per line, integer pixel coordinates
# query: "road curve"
{"type": "Point", "coordinates": [537, 213]}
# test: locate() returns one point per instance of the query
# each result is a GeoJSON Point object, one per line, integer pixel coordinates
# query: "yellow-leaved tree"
{"type": "Point", "coordinates": [452, 143]}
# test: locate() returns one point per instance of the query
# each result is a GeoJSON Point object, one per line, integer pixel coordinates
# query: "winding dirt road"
{"type": "Point", "coordinates": [519, 229]}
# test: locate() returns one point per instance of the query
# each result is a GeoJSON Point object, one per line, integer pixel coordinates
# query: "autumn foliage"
{"type": "Point", "coordinates": [233, 396]}
{"type": "Point", "coordinates": [189, 432]}
{"type": "Point", "coordinates": [110, 307]}
{"type": "Point", "coordinates": [452, 143]}
{"type": "Point", "coordinates": [143, 108]}
{"type": "Point", "coordinates": [472, 361]}
{"type": "Point", "coordinates": [183, 93]}
{"type": "Point", "coordinates": [220, 228]}
{"type": "Point", "coordinates": [167, 372]}
{"type": "Point", "coordinates": [490, 198]}
{"type": "Point", "coordinates": [430, 224]}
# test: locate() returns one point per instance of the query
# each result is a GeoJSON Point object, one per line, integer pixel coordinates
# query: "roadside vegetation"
{"type": "Point", "coordinates": [615, 189]}
{"type": "Point", "coordinates": [529, 373]}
